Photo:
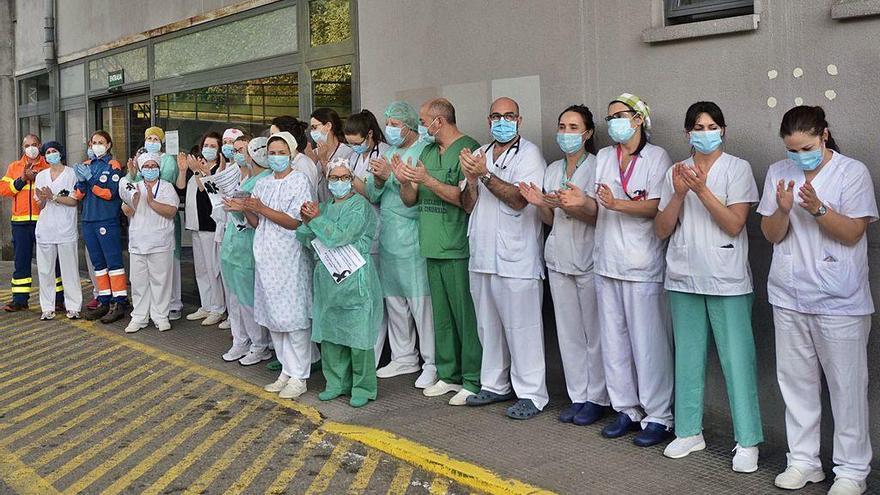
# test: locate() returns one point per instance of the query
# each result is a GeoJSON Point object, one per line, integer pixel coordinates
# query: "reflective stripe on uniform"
{"type": "Point", "coordinates": [21, 281]}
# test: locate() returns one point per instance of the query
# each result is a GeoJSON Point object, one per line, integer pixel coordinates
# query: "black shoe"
{"type": "Point", "coordinates": [653, 434]}
{"type": "Point", "coordinates": [115, 313]}
{"type": "Point", "coordinates": [589, 414]}
{"type": "Point", "coordinates": [97, 313]}
{"type": "Point", "coordinates": [621, 426]}
{"type": "Point", "coordinates": [15, 307]}
{"type": "Point", "coordinates": [567, 414]}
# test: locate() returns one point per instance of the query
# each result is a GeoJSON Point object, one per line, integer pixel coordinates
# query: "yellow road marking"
{"type": "Point", "coordinates": [14, 328]}
{"type": "Point", "coordinates": [365, 473]}
{"type": "Point", "coordinates": [328, 470]}
{"type": "Point", "coordinates": [22, 334]}
{"type": "Point", "coordinates": [56, 364]}
{"type": "Point", "coordinates": [135, 423]}
{"type": "Point", "coordinates": [55, 372]}
{"type": "Point", "coordinates": [24, 361]}
{"type": "Point", "coordinates": [286, 475]}
{"type": "Point", "coordinates": [432, 461]}
{"type": "Point", "coordinates": [156, 456]}
{"type": "Point", "coordinates": [154, 410]}
{"type": "Point", "coordinates": [401, 480]}
{"type": "Point", "coordinates": [439, 486]}
{"type": "Point", "coordinates": [72, 406]}
{"type": "Point", "coordinates": [208, 476]}
{"type": "Point", "coordinates": [250, 474]}
{"type": "Point", "coordinates": [309, 412]}
{"type": "Point", "coordinates": [21, 478]}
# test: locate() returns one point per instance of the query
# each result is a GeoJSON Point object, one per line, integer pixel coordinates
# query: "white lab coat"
{"type": "Point", "coordinates": [57, 240]}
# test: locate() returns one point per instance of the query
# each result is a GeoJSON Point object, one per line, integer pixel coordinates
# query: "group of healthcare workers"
{"type": "Point", "coordinates": [644, 258]}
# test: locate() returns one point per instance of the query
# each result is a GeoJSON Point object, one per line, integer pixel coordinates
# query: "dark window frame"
{"type": "Point", "coordinates": [676, 13]}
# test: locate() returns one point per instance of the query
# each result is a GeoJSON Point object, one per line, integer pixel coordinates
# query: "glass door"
{"type": "Point", "coordinates": [125, 118]}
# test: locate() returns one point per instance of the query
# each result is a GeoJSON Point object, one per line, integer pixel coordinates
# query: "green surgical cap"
{"type": "Point", "coordinates": [404, 112]}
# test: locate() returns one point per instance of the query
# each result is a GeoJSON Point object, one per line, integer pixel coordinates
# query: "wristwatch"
{"type": "Point", "coordinates": [821, 211]}
{"type": "Point", "coordinates": [486, 178]}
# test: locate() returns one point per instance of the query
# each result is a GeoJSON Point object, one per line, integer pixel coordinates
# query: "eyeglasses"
{"type": "Point", "coordinates": [509, 116]}
{"type": "Point", "coordinates": [619, 115]}
{"type": "Point", "coordinates": [344, 178]}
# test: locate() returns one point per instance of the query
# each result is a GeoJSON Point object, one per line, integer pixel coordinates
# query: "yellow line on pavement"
{"type": "Point", "coordinates": [134, 424]}
{"type": "Point", "coordinates": [157, 408]}
{"type": "Point", "coordinates": [72, 406]}
{"type": "Point", "coordinates": [309, 412]}
{"type": "Point", "coordinates": [362, 479]}
{"type": "Point", "coordinates": [250, 474]}
{"type": "Point", "coordinates": [180, 467]}
{"type": "Point", "coordinates": [439, 486]}
{"type": "Point", "coordinates": [21, 478]}
{"type": "Point", "coordinates": [24, 361]}
{"type": "Point", "coordinates": [432, 461]}
{"type": "Point", "coordinates": [244, 442]}
{"type": "Point", "coordinates": [401, 480]}
{"type": "Point", "coordinates": [286, 475]}
{"type": "Point", "coordinates": [328, 470]}
{"type": "Point", "coordinates": [55, 371]}
{"type": "Point", "coordinates": [13, 329]}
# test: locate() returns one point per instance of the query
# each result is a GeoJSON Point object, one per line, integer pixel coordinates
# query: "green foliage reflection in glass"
{"type": "Point", "coordinates": [331, 87]}
{"type": "Point", "coordinates": [329, 21]}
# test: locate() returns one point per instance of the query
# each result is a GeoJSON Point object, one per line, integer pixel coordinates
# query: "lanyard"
{"type": "Point", "coordinates": [565, 178]}
{"type": "Point", "coordinates": [626, 175]}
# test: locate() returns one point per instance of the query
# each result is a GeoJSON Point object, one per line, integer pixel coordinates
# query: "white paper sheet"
{"type": "Point", "coordinates": [172, 143]}
{"type": "Point", "coordinates": [342, 262]}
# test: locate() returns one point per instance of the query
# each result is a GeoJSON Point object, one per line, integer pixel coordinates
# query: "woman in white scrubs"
{"type": "Point", "coordinates": [634, 327]}
{"type": "Point", "coordinates": [703, 210]}
{"type": "Point", "coordinates": [568, 254]}
{"type": "Point", "coordinates": [817, 205]}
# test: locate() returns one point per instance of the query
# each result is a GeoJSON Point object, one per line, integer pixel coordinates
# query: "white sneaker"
{"type": "Point", "coordinates": [73, 315]}
{"type": "Point", "coordinates": [460, 399]}
{"type": "Point", "coordinates": [47, 315]}
{"type": "Point", "coordinates": [277, 385]}
{"type": "Point", "coordinates": [200, 314]}
{"type": "Point", "coordinates": [682, 446]}
{"type": "Point", "coordinates": [426, 379]}
{"type": "Point", "coordinates": [395, 368]}
{"type": "Point", "coordinates": [212, 319]}
{"type": "Point", "coordinates": [746, 459]}
{"type": "Point", "coordinates": [294, 388]}
{"type": "Point", "coordinates": [174, 314]}
{"type": "Point", "coordinates": [134, 326]}
{"type": "Point", "coordinates": [441, 388]}
{"type": "Point", "coordinates": [163, 326]}
{"type": "Point", "coordinates": [795, 478]}
{"type": "Point", "coordinates": [847, 486]}
{"type": "Point", "coordinates": [252, 358]}
{"type": "Point", "coordinates": [224, 325]}
{"type": "Point", "coordinates": [236, 353]}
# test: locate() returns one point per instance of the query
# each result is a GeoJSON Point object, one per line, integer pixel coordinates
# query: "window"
{"type": "Point", "coordinates": [41, 125]}
{"type": "Point", "coordinates": [249, 105]}
{"type": "Point", "coordinates": [329, 22]}
{"type": "Point", "coordinates": [133, 62]}
{"type": "Point", "coordinates": [33, 89]}
{"type": "Point", "coordinates": [331, 87]}
{"type": "Point", "coordinates": [684, 11]}
{"type": "Point", "coordinates": [75, 135]}
{"type": "Point", "coordinates": [73, 81]}
{"type": "Point", "coordinates": [261, 36]}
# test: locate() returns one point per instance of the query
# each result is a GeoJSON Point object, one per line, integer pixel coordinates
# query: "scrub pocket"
{"type": "Point", "coordinates": [837, 278]}
{"type": "Point", "coordinates": [780, 270]}
{"type": "Point", "coordinates": [511, 244]}
{"type": "Point", "coordinates": [677, 266]}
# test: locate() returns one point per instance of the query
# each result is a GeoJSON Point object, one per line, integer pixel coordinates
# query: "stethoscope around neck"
{"type": "Point", "coordinates": [513, 147]}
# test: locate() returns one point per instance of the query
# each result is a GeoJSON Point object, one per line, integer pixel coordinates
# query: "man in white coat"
{"type": "Point", "coordinates": [506, 266]}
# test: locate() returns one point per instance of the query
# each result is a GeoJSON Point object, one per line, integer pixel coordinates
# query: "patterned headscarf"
{"type": "Point", "coordinates": [640, 107]}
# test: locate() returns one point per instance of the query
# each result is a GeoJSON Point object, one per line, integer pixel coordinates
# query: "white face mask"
{"type": "Point", "coordinates": [99, 150]}
{"type": "Point", "coordinates": [32, 152]}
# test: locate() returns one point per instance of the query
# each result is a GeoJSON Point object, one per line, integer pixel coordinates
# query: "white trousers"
{"type": "Point", "coordinates": [294, 352]}
{"type": "Point", "coordinates": [636, 338]}
{"type": "Point", "coordinates": [176, 300]}
{"type": "Point", "coordinates": [408, 317]}
{"type": "Point", "coordinates": [151, 276]}
{"type": "Point", "coordinates": [92, 274]}
{"type": "Point", "coordinates": [511, 331]}
{"type": "Point", "coordinates": [577, 329]}
{"type": "Point", "coordinates": [68, 258]}
{"type": "Point", "coordinates": [806, 347]}
{"type": "Point", "coordinates": [206, 258]}
{"type": "Point", "coordinates": [245, 331]}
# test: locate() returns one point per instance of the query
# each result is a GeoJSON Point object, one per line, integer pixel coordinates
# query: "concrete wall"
{"type": "Point", "coordinates": [28, 35]}
{"type": "Point", "coordinates": [589, 51]}
{"type": "Point", "coordinates": [9, 148]}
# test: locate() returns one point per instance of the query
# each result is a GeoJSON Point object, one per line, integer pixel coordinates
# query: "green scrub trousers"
{"type": "Point", "coordinates": [730, 318]}
{"type": "Point", "coordinates": [349, 371]}
{"type": "Point", "coordinates": [458, 352]}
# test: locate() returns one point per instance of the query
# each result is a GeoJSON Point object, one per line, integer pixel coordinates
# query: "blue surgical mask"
{"type": "Point", "coordinates": [318, 136]}
{"type": "Point", "coordinates": [424, 136]}
{"type": "Point", "coordinates": [228, 151]}
{"type": "Point", "coordinates": [620, 130]}
{"type": "Point", "coordinates": [239, 159]}
{"type": "Point", "coordinates": [394, 135]}
{"type": "Point", "coordinates": [152, 146]}
{"type": "Point", "coordinates": [503, 131]}
{"type": "Point", "coordinates": [807, 160]}
{"type": "Point", "coordinates": [340, 188]}
{"type": "Point", "coordinates": [150, 174]}
{"type": "Point", "coordinates": [360, 149]}
{"type": "Point", "coordinates": [53, 157]}
{"type": "Point", "coordinates": [279, 163]}
{"type": "Point", "coordinates": [569, 143]}
{"type": "Point", "coordinates": [706, 141]}
{"type": "Point", "coordinates": [209, 154]}
{"type": "Point", "coordinates": [90, 153]}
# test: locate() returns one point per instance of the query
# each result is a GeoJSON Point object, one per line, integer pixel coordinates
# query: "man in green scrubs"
{"type": "Point", "coordinates": [433, 184]}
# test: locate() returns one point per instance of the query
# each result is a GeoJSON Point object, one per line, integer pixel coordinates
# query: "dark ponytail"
{"type": "Point", "coordinates": [809, 120]}
{"type": "Point", "coordinates": [587, 117]}
{"type": "Point", "coordinates": [362, 123]}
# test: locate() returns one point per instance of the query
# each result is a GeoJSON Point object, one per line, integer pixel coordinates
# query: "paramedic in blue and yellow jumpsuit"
{"type": "Point", "coordinates": [98, 189]}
